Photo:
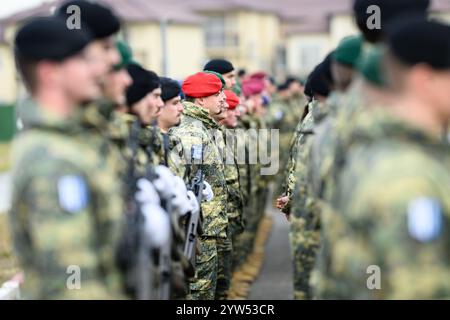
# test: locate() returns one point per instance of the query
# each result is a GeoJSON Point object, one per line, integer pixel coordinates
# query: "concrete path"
{"type": "Point", "coordinates": [275, 280]}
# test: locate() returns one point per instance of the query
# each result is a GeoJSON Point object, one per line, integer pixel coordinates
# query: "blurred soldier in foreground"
{"type": "Point", "coordinates": [388, 238]}
{"type": "Point", "coordinates": [67, 187]}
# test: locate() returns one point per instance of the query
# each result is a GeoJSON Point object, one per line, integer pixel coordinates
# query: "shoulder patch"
{"type": "Point", "coordinates": [197, 152]}
{"type": "Point", "coordinates": [424, 219]}
{"type": "Point", "coordinates": [72, 193]}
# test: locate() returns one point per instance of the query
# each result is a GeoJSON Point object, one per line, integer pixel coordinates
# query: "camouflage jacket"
{"type": "Point", "coordinates": [245, 174]}
{"type": "Point", "coordinates": [66, 211]}
{"type": "Point", "coordinates": [388, 235]}
{"type": "Point", "coordinates": [302, 131]}
{"type": "Point", "coordinates": [200, 136]}
{"type": "Point", "coordinates": [232, 177]}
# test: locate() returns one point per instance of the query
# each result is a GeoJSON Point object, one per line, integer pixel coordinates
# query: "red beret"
{"type": "Point", "coordinates": [201, 85]}
{"type": "Point", "coordinates": [252, 86]}
{"type": "Point", "coordinates": [259, 75]}
{"type": "Point", "coordinates": [232, 99]}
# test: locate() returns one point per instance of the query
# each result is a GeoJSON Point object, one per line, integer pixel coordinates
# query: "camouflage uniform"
{"type": "Point", "coordinates": [235, 204]}
{"type": "Point", "coordinates": [303, 129]}
{"type": "Point", "coordinates": [66, 211]}
{"type": "Point", "coordinates": [214, 259]}
{"type": "Point", "coordinates": [283, 119]}
{"type": "Point", "coordinates": [258, 188]}
{"type": "Point", "coordinates": [393, 212]}
{"type": "Point", "coordinates": [241, 245]}
{"type": "Point", "coordinates": [305, 216]}
{"type": "Point", "coordinates": [152, 150]}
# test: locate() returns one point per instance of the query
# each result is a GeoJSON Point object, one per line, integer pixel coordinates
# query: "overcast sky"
{"type": "Point", "coordinates": [8, 7]}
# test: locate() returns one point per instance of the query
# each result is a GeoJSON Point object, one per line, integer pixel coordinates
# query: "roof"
{"type": "Point", "coordinates": [127, 10]}
{"type": "Point", "coordinates": [299, 15]}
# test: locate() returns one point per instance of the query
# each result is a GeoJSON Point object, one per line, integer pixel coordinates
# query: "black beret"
{"type": "Point", "coordinates": [48, 38]}
{"type": "Point", "coordinates": [144, 82]}
{"type": "Point", "coordinates": [318, 82]}
{"type": "Point", "coordinates": [170, 89]}
{"type": "Point", "coordinates": [325, 67]}
{"type": "Point", "coordinates": [390, 9]}
{"type": "Point", "coordinates": [220, 66]}
{"type": "Point", "coordinates": [99, 19]}
{"type": "Point", "coordinates": [415, 40]}
{"type": "Point", "coordinates": [283, 86]}
{"type": "Point", "coordinates": [291, 79]}
{"type": "Point", "coordinates": [272, 80]}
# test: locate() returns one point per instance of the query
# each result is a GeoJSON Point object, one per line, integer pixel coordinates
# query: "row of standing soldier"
{"type": "Point", "coordinates": [121, 189]}
{"type": "Point", "coordinates": [365, 185]}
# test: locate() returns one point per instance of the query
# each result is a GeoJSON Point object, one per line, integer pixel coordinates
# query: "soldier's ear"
{"type": "Point", "coordinates": [200, 102]}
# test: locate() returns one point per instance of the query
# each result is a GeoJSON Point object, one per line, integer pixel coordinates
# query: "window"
{"type": "Point", "coordinates": [309, 56]}
{"type": "Point", "coordinates": [221, 32]}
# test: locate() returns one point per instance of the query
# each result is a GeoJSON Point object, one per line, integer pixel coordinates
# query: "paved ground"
{"type": "Point", "coordinates": [275, 280]}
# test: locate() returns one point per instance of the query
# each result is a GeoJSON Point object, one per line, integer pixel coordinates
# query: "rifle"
{"type": "Point", "coordinates": [165, 250]}
{"type": "Point", "coordinates": [195, 219]}
{"type": "Point", "coordinates": [134, 254]}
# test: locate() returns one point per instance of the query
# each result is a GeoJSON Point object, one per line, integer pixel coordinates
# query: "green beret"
{"type": "Point", "coordinates": [237, 89]}
{"type": "Point", "coordinates": [370, 65]}
{"type": "Point", "coordinates": [348, 50]}
{"type": "Point", "coordinates": [218, 76]}
{"type": "Point", "coordinates": [126, 55]}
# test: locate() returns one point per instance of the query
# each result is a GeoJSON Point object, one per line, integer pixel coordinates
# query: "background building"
{"type": "Point", "coordinates": [177, 37]}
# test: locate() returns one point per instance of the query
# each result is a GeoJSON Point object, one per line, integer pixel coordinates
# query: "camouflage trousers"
{"type": "Point", "coordinates": [225, 252]}
{"type": "Point", "coordinates": [253, 214]}
{"type": "Point", "coordinates": [213, 270]}
{"type": "Point", "coordinates": [305, 241]}
{"type": "Point", "coordinates": [237, 228]}
{"type": "Point", "coordinates": [283, 158]}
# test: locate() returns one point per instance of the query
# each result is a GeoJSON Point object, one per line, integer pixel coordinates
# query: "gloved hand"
{"type": "Point", "coordinates": [194, 205]}
{"type": "Point", "coordinates": [164, 182]}
{"type": "Point", "coordinates": [180, 201]}
{"type": "Point", "coordinates": [157, 224]}
{"type": "Point", "coordinates": [207, 192]}
{"type": "Point", "coordinates": [147, 192]}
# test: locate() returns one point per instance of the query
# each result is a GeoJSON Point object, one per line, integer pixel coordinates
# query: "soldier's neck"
{"type": "Point", "coordinates": [55, 102]}
{"type": "Point", "coordinates": [419, 115]}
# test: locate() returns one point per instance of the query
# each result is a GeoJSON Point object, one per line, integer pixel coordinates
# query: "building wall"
{"type": "Point", "coordinates": [186, 50]}
{"type": "Point", "coordinates": [341, 26]}
{"type": "Point", "coordinates": [185, 47]}
{"type": "Point", "coordinates": [305, 51]}
{"type": "Point", "coordinates": [145, 40]}
{"type": "Point", "coordinates": [8, 87]}
{"type": "Point", "coordinates": [258, 36]}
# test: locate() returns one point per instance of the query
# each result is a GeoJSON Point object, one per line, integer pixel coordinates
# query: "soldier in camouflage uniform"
{"type": "Point", "coordinates": [305, 211]}
{"type": "Point", "coordinates": [305, 221]}
{"type": "Point", "coordinates": [280, 117]}
{"type": "Point", "coordinates": [248, 261]}
{"type": "Point", "coordinates": [388, 236]}
{"type": "Point", "coordinates": [171, 117]}
{"type": "Point", "coordinates": [235, 202]}
{"type": "Point", "coordinates": [170, 114]}
{"type": "Point", "coordinates": [351, 103]}
{"type": "Point", "coordinates": [62, 191]}
{"type": "Point", "coordinates": [225, 69]}
{"type": "Point", "coordinates": [198, 138]}
{"type": "Point", "coordinates": [144, 104]}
